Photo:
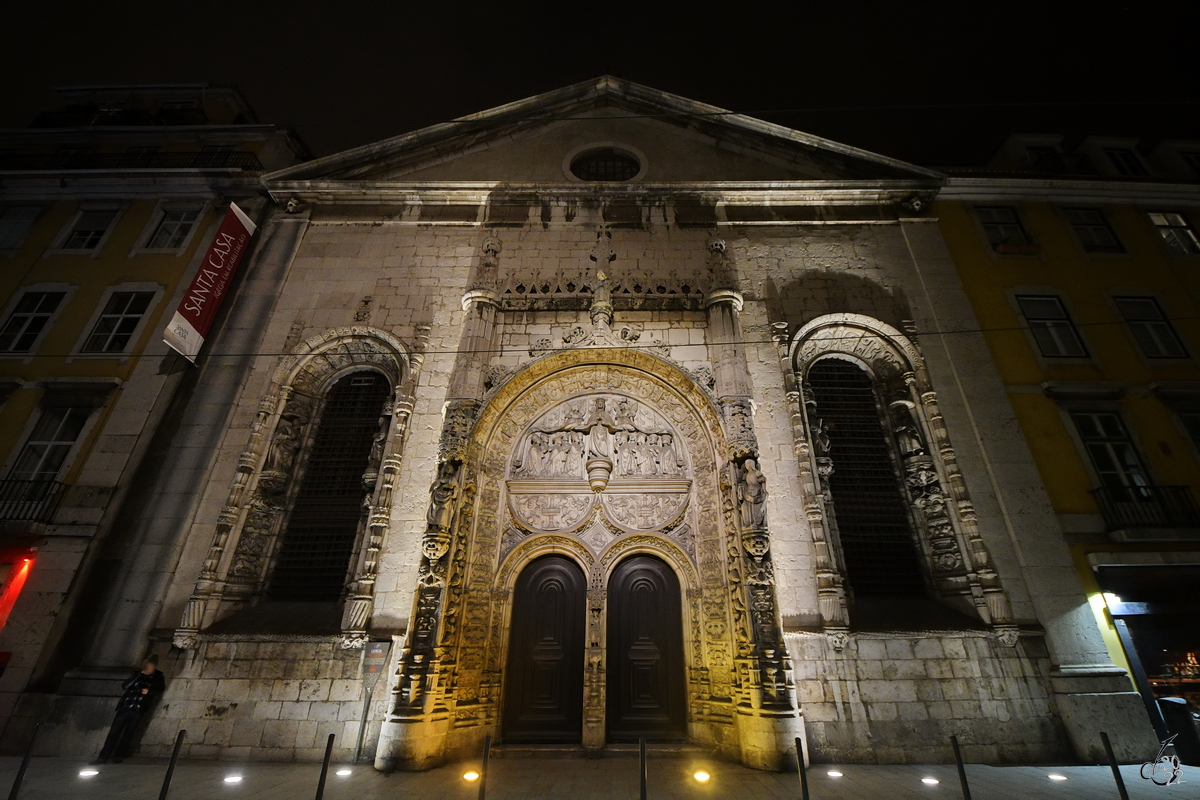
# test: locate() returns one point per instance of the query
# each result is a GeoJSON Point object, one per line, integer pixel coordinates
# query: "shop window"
{"type": "Point", "coordinates": [1113, 455]}
{"type": "Point", "coordinates": [872, 516]}
{"type": "Point", "coordinates": [120, 318]}
{"type": "Point", "coordinates": [315, 552]}
{"type": "Point", "coordinates": [28, 320]}
{"type": "Point", "coordinates": [1093, 230]}
{"type": "Point", "coordinates": [1150, 327]}
{"type": "Point", "coordinates": [1051, 326]}
{"type": "Point", "coordinates": [1177, 232]}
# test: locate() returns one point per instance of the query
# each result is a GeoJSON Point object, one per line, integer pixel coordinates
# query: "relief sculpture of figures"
{"type": "Point", "coordinates": [282, 453]}
{"type": "Point", "coordinates": [441, 497]}
{"type": "Point", "coordinates": [752, 495]}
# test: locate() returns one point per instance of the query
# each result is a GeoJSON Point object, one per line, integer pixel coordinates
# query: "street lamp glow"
{"type": "Point", "coordinates": [701, 776]}
{"type": "Point", "coordinates": [471, 776]}
{"type": "Point", "coordinates": [343, 772]}
{"type": "Point", "coordinates": [88, 773]}
{"type": "Point", "coordinates": [1054, 776]}
{"type": "Point", "coordinates": [930, 781]}
{"type": "Point", "coordinates": [833, 773]}
{"type": "Point", "coordinates": [233, 778]}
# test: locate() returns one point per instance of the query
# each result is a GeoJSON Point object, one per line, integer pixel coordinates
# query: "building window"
{"type": "Point", "coordinates": [117, 322]}
{"type": "Point", "coordinates": [1192, 159]}
{"type": "Point", "coordinates": [1003, 227]}
{"type": "Point", "coordinates": [1047, 159]}
{"type": "Point", "coordinates": [89, 229]}
{"type": "Point", "coordinates": [1093, 230]}
{"type": "Point", "coordinates": [27, 320]}
{"type": "Point", "coordinates": [1150, 327]}
{"type": "Point", "coordinates": [15, 222]}
{"type": "Point", "coordinates": [51, 441]}
{"type": "Point", "coordinates": [314, 556]}
{"type": "Point", "coordinates": [1176, 232]}
{"type": "Point", "coordinates": [138, 156]}
{"type": "Point", "coordinates": [213, 156]}
{"type": "Point", "coordinates": [173, 228]}
{"type": "Point", "coordinates": [1112, 454]}
{"type": "Point", "coordinates": [1191, 424]}
{"type": "Point", "coordinates": [1051, 326]}
{"type": "Point", "coordinates": [605, 164]}
{"type": "Point", "coordinates": [1125, 161]}
{"type": "Point", "coordinates": [870, 509]}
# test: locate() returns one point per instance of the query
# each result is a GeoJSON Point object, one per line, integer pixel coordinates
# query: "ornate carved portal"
{"type": "Point", "coordinates": [595, 456]}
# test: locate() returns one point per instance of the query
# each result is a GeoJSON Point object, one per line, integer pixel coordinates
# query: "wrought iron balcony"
{"type": "Point", "coordinates": [63, 162]}
{"type": "Point", "coordinates": [29, 501]}
{"type": "Point", "coordinates": [1147, 507]}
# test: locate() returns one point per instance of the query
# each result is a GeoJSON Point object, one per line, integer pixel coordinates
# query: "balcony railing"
{"type": "Point", "coordinates": [1147, 507]}
{"type": "Point", "coordinates": [29, 501]}
{"type": "Point", "coordinates": [20, 162]}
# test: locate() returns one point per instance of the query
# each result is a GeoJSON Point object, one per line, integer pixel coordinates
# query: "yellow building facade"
{"type": "Point", "coordinates": [1081, 264]}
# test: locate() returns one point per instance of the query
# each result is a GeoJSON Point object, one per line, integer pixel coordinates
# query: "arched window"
{"type": "Point", "coordinates": [869, 503]}
{"type": "Point", "coordinates": [314, 556]}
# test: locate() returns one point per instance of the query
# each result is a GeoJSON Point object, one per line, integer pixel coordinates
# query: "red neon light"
{"type": "Point", "coordinates": [13, 590]}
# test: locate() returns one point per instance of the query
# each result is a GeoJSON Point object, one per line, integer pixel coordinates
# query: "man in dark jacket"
{"type": "Point", "coordinates": [140, 689]}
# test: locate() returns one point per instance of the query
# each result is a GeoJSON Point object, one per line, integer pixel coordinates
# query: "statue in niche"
{"type": "Point", "coordinates": [821, 440]}
{"type": "Point", "coordinates": [599, 426]}
{"type": "Point", "coordinates": [907, 436]}
{"type": "Point", "coordinates": [282, 453]}
{"type": "Point", "coordinates": [442, 494]}
{"type": "Point", "coordinates": [752, 495]}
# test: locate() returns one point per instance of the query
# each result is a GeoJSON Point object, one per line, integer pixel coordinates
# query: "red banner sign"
{"type": "Point", "coordinates": [203, 298]}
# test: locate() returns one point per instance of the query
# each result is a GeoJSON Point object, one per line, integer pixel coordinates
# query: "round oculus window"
{"type": "Point", "coordinates": [605, 164]}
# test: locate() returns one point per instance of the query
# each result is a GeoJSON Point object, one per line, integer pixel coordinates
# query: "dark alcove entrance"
{"type": "Point", "coordinates": [646, 680]}
{"type": "Point", "coordinates": [543, 694]}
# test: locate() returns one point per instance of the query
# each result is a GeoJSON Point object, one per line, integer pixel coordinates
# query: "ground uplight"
{"type": "Point", "coordinates": [833, 773]}
{"type": "Point", "coordinates": [930, 781]}
{"type": "Point", "coordinates": [701, 776]}
{"type": "Point", "coordinates": [233, 778]}
{"type": "Point", "coordinates": [88, 773]}
{"type": "Point", "coordinates": [343, 772]}
{"type": "Point", "coordinates": [471, 776]}
{"type": "Point", "coordinates": [1054, 776]}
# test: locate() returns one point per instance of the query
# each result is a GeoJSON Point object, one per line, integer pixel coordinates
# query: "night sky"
{"type": "Point", "coordinates": [938, 84]}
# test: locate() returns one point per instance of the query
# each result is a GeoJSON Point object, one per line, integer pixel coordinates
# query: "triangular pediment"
{"type": "Point", "coordinates": [533, 141]}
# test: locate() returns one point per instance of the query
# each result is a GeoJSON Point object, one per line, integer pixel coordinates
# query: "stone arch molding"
{"type": "Point", "coordinates": [249, 525]}
{"type": "Point", "coordinates": [956, 558]}
{"type": "Point", "coordinates": [463, 607]}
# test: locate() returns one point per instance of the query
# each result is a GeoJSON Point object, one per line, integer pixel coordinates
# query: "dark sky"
{"type": "Point", "coordinates": [935, 83]}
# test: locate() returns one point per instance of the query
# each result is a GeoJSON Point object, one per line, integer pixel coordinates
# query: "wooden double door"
{"type": "Point", "coordinates": [646, 690]}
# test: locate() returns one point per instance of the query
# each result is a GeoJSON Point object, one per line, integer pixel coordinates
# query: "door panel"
{"type": "Point", "coordinates": [646, 680]}
{"type": "Point", "coordinates": [543, 694]}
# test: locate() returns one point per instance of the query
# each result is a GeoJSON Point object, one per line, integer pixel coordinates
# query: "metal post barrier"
{"type": "Point", "coordinates": [1112, 762]}
{"type": "Point", "coordinates": [16, 787]}
{"type": "Point", "coordinates": [800, 768]}
{"type": "Point", "coordinates": [642, 754]}
{"type": "Point", "coordinates": [962, 770]}
{"type": "Point", "coordinates": [166, 787]}
{"type": "Point", "coordinates": [487, 749]}
{"type": "Point", "coordinates": [325, 768]}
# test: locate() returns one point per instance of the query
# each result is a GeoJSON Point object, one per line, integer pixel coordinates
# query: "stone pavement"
{"type": "Point", "coordinates": [525, 778]}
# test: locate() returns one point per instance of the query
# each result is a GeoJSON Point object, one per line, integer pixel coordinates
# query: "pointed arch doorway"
{"type": "Point", "coordinates": [646, 677]}
{"type": "Point", "coordinates": [543, 701]}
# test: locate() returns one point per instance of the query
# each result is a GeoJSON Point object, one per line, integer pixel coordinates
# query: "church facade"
{"type": "Point", "coordinates": [615, 417]}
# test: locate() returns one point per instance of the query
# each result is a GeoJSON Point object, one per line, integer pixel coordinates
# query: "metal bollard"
{"type": "Point", "coordinates": [962, 771]}
{"type": "Point", "coordinates": [16, 787]}
{"type": "Point", "coordinates": [1112, 762]}
{"type": "Point", "coordinates": [487, 749]}
{"type": "Point", "coordinates": [166, 787]}
{"type": "Point", "coordinates": [325, 767]}
{"type": "Point", "coordinates": [642, 754]}
{"type": "Point", "coordinates": [801, 769]}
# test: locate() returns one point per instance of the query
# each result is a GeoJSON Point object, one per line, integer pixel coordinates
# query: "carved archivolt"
{"type": "Point", "coordinates": [249, 525]}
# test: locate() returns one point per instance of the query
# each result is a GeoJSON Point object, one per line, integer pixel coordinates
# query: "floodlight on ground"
{"type": "Point", "coordinates": [1054, 776]}
{"type": "Point", "coordinates": [471, 776]}
{"type": "Point", "coordinates": [343, 772]}
{"type": "Point", "coordinates": [233, 778]}
{"type": "Point", "coordinates": [833, 773]}
{"type": "Point", "coordinates": [88, 773]}
{"type": "Point", "coordinates": [701, 776]}
{"type": "Point", "coordinates": [930, 781]}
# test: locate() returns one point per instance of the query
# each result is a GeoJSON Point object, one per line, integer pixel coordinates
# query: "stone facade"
{"type": "Point", "coordinates": [603, 370]}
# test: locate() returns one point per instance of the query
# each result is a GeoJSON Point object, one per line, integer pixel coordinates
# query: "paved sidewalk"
{"type": "Point", "coordinates": [512, 778]}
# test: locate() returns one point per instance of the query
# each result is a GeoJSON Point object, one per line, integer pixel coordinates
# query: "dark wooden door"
{"type": "Point", "coordinates": [646, 681]}
{"type": "Point", "coordinates": [543, 694]}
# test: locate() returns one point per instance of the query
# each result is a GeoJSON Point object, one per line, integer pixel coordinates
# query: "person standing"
{"type": "Point", "coordinates": [140, 689]}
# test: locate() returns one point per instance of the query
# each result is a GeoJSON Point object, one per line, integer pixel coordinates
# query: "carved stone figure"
{"type": "Point", "coordinates": [282, 453]}
{"type": "Point", "coordinates": [821, 441]}
{"type": "Point", "coordinates": [442, 494]}
{"type": "Point", "coordinates": [907, 436]}
{"type": "Point", "coordinates": [752, 495]}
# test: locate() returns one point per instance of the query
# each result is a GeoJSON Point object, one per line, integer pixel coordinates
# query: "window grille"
{"type": "Point", "coordinates": [27, 320]}
{"type": "Point", "coordinates": [868, 501]}
{"type": "Point", "coordinates": [316, 549]}
{"type": "Point", "coordinates": [605, 164]}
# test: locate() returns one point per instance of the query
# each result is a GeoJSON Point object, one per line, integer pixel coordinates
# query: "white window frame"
{"type": "Point", "coordinates": [1191, 227]}
{"type": "Point", "coordinates": [202, 207]}
{"type": "Point", "coordinates": [39, 209]}
{"type": "Point", "coordinates": [1065, 211]}
{"type": "Point", "coordinates": [122, 355]}
{"type": "Point", "coordinates": [1046, 361]}
{"type": "Point", "coordinates": [68, 457]}
{"type": "Point", "coordinates": [1165, 319]}
{"type": "Point", "coordinates": [57, 248]}
{"type": "Point", "coordinates": [28, 355]}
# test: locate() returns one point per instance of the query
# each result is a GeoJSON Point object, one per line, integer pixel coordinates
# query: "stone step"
{"type": "Point", "coordinates": [657, 750]}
